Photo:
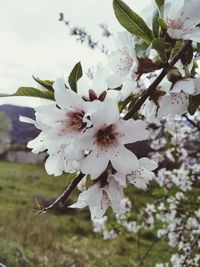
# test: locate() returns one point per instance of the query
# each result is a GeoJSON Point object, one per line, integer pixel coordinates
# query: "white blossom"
{"type": "Point", "coordinates": [106, 139]}
{"type": "Point", "coordinates": [182, 24]}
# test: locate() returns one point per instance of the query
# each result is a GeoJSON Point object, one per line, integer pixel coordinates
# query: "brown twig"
{"type": "Point", "coordinates": [62, 198]}
{"type": "Point", "coordinates": [156, 82]}
{"type": "Point", "coordinates": [192, 122]}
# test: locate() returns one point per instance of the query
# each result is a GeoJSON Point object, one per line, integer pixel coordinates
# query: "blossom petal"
{"type": "Point", "coordinates": [55, 163]}
{"type": "Point", "coordinates": [131, 131]}
{"type": "Point", "coordinates": [94, 164]}
{"type": "Point", "coordinates": [66, 98]}
{"type": "Point", "coordinates": [123, 160]}
{"type": "Point", "coordinates": [186, 86]}
{"type": "Point", "coordinates": [148, 164]}
{"type": "Point", "coordinates": [83, 86]}
{"type": "Point", "coordinates": [106, 114]}
{"type": "Point", "coordinates": [99, 83]}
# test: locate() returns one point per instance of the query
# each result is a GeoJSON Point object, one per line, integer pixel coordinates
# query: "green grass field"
{"type": "Point", "coordinates": [28, 239]}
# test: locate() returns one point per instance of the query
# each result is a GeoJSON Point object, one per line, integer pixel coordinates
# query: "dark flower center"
{"type": "Point", "coordinates": [76, 120]}
{"type": "Point", "coordinates": [106, 137]}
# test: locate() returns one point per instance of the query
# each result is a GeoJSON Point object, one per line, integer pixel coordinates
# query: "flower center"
{"type": "Point", "coordinates": [76, 121]}
{"type": "Point", "coordinates": [175, 24]}
{"type": "Point", "coordinates": [106, 137]}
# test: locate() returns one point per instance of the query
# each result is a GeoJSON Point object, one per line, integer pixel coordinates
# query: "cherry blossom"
{"type": "Point", "coordinates": [106, 140]}
{"type": "Point", "coordinates": [98, 198]}
{"type": "Point", "coordinates": [124, 64]}
{"type": "Point", "coordinates": [182, 24]}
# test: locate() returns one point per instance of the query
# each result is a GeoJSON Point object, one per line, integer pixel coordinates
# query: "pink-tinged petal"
{"type": "Point", "coordinates": [99, 83]}
{"type": "Point", "coordinates": [83, 86]}
{"type": "Point", "coordinates": [106, 114]}
{"type": "Point", "coordinates": [175, 33]}
{"type": "Point", "coordinates": [66, 98]}
{"type": "Point", "coordinates": [131, 131]}
{"type": "Point", "coordinates": [148, 164]}
{"type": "Point", "coordinates": [186, 86]}
{"type": "Point", "coordinates": [94, 164]}
{"type": "Point", "coordinates": [123, 160]}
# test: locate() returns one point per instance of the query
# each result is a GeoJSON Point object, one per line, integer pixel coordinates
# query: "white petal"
{"type": "Point", "coordinates": [38, 144]}
{"type": "Point", "coordinates": [116, 79]}
{"type": "Point", "coordinates": [73, 151]}
{"type": "Point", "coordinates": [83, 86]}
{"type": "Point", "coordinates": [26, 120]}
{"type": "Point", "coordinates": [55, 164]}
{"type": "Point", "coordinates": [99, 83]}
{"type": "Point", "coordinates": [66, 98]}
{"type": "Point", "coordinates": [115, 193]}
{"type": "Point", "coordinates": [94, 164]}
{"type": "Point", "coordinates": [131, 131]}
{"type": "Point", "coordinates": [197, 86]}
{"type": "Point", "coordinates": [186, 86]}
{"type": "Point", "coordinates": [123, 160]}
{"type": "Point", "coordinates": [175, 103]}
{"type": "Point", "coordinates": [106, 114]}
{"type": "Point", "coordinates": [148, 164]}
{"type": "Point", "coordinates": [193, 35]}
{"type": "Point", "coordinates": [120, 178]}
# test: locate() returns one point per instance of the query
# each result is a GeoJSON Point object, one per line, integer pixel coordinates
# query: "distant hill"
{"type": "Point", "coordinates": [21, 132]}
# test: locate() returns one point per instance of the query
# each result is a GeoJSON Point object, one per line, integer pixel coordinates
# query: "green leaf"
{"type": "Point", "coordinates": [141, 49]}
{"type": "Point", "coordinates": [132, 21]}
{"type": "Point", "coordinates": [194, 103]}
{"type": "Point", "coordinates": [33, 92]}
{"type": "Point", "coordinates": [176, 48]}
{"type": "Point", "coordinates": [161, 47]}
{"type": "Point", "coordinates": [45, 83]}
{"type": "Point", "coordinates": [74, 76]}
{"type": "Point", "coordinates": [155, 24]}
{"type": "Point", "coordinates": [162, 24]}
{"type": "Point", "coordinates": [198, 48]}
{"type": "Point", "coordinates": [160, 3]}
{"type": "Point", "coordinates": [195, 66]}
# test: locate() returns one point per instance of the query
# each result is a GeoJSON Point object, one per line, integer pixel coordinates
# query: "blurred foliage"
{"type": "Point", "coordinates": [29, 239]}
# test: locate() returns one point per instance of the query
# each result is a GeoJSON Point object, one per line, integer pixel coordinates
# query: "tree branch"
{"type": "Point", "coordinates": [192, 122]}
{"type": "Point", "coordinates": [62, 198]}
{"type": "Point", "coordinates": [157, 81]}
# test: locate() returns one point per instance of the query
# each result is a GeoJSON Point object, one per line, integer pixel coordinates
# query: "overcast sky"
{"type": "Point", "coordinates": [34, 42]}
